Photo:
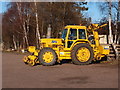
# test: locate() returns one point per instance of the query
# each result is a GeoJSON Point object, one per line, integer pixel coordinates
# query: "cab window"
{"type": "Point", "coordinates": [73, 34]}
{"type": "Point", "coordinates": [82, 34]}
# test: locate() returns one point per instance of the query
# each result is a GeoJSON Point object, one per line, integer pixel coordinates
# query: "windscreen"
{"type": "Point", "coordinates": [64, 33]}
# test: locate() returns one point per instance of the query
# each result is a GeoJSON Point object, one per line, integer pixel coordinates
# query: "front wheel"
{"type": "Point", "coordinates": [47, 56]}
{"type": "Point", "coordinates": [82, 54]}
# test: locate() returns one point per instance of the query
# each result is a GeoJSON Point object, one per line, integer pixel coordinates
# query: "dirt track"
{"type": "Point", "coordinates": [18, 75]}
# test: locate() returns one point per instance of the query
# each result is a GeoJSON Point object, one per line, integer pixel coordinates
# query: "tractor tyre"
{"type": "Point", "coordinates": [47, 56]}
{"type": "Point", "coordinates": [82, 54]}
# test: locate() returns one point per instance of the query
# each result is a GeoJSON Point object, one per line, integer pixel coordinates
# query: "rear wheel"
{"type": "Point", "coordinates": [82, 54]}
{"type": "Point", "coordinates": [47, 56]}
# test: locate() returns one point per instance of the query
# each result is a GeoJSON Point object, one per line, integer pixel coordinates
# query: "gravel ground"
{"type": "Point", "coordinates": [15, 74]}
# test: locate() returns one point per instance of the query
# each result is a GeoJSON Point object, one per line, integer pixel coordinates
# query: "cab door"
{"type": "Point", "coordinates": [72, 37]}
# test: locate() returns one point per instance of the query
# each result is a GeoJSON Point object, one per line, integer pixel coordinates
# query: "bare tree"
{"type": "Point", "coordinates": [110, 29]}
{"type": "Point", "coordinates": [107, 9]}
{"type": "Point", "coordinates": [37, 24]}
{"type": "Point", "coordinates": [22, 21]}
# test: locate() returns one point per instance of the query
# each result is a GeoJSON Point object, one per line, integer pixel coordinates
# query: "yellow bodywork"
{"type": "Point", "coordinates": [32, 59]}
{"type": "Point", "coordinates": [63, 50]}
{"type": "Point", "coordinates": [31, 49]}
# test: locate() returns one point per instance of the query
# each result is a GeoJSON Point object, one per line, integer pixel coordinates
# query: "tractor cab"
{"type": "Point", "coordinates": [73, 33]}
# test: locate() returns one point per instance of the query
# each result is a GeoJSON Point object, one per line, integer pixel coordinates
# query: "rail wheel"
{"type": "Point", "coordinates": [31, 63]}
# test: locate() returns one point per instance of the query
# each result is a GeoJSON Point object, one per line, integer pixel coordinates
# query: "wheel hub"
{"type": "Point", "coordinates": [83, 54]}
{"type": "Point", "coordinates": [48, 57]}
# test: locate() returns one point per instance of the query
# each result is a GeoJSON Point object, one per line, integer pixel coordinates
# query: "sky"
{"type": "Point", "coordinates": [92, 12]}
{"type": "Point", "coordinates": [3, 6]}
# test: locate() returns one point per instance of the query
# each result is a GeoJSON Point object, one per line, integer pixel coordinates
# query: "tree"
{"type": "Point", "coordinates": [37, 24]}
{"type": "Point", "coordinates": [26, 22]}
{"type": "Point", "coordinates": [0, 28]}
{"type": "Point", "coordinates": [112, 10]}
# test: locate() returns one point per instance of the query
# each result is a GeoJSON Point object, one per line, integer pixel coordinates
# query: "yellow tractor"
{"type": "Point", "coordinates": [79, 43]}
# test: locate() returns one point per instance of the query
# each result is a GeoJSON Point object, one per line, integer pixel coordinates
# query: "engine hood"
{"type": "Point", "coordinates": [51, 41]}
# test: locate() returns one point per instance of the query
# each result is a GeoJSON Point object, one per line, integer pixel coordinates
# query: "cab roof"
{"type": "Point", "coordinates": [75, 27]}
